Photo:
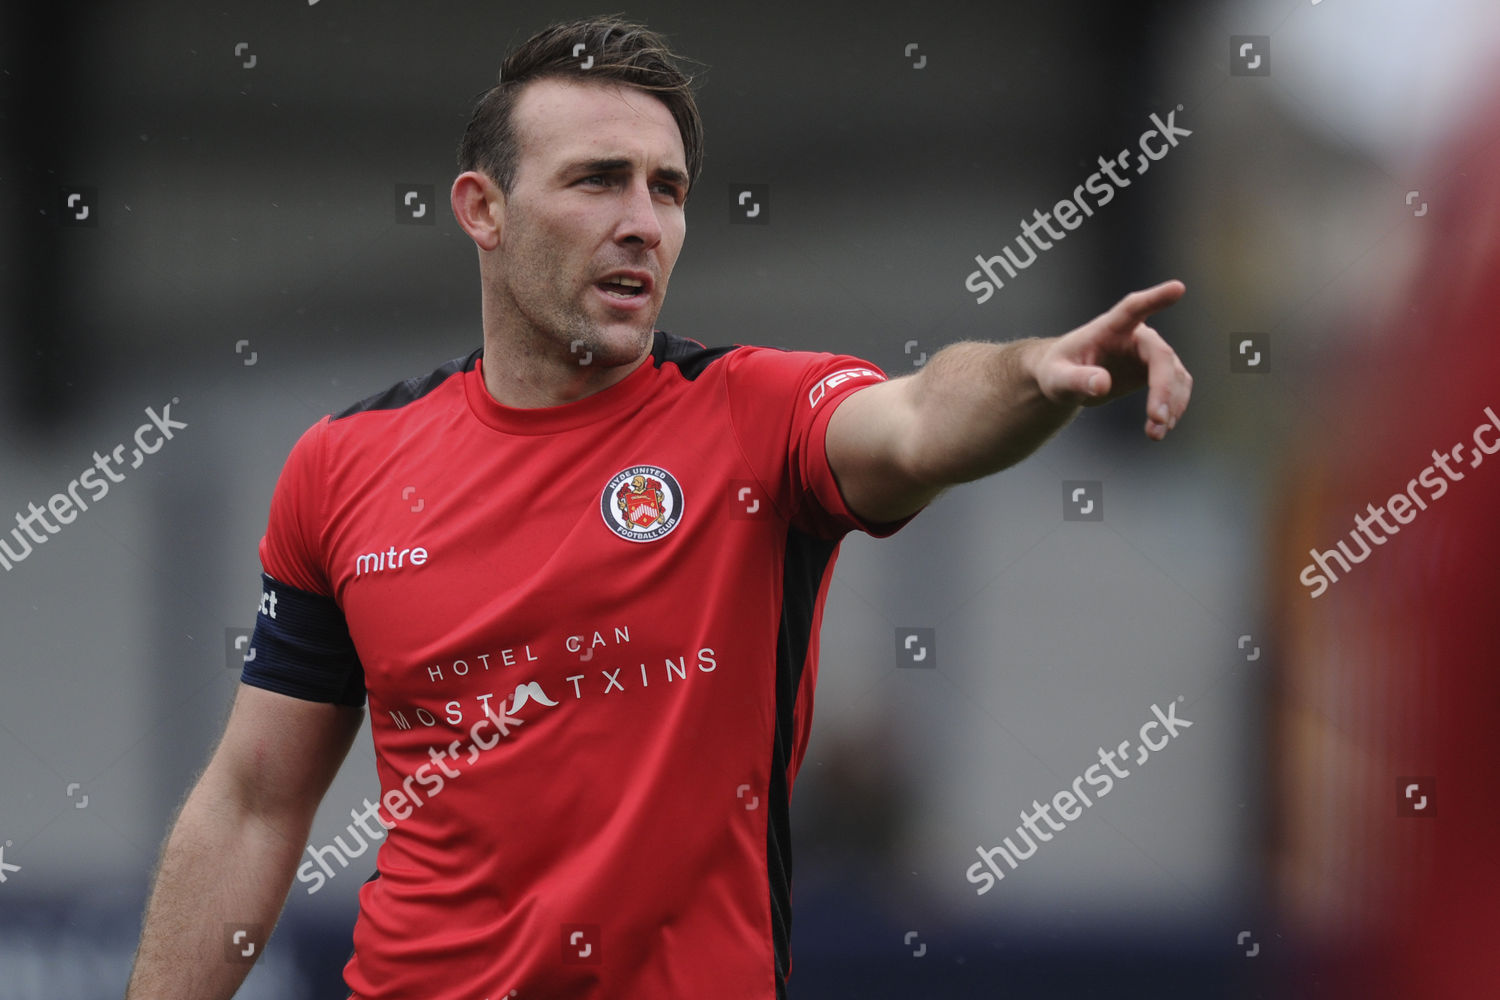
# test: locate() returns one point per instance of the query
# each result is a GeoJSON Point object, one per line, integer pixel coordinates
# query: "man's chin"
{"type": "Point", "coordinates": [612, 348]}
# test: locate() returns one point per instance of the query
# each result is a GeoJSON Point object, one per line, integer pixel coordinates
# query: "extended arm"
{"type": "Point", "coordinates": [978, 408]}
{"type": "Point", "coordinates": [232, 852]}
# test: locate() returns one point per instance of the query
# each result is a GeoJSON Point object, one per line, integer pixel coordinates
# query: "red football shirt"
{"type": "Point", "coordinates": [588, 634]}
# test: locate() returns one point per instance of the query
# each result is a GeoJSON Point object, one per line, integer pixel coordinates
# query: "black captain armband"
{"type": "Point", "coordinates": [301, 647]}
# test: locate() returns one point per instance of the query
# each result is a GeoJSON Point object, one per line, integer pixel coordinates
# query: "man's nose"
{"type": "Point", "coordinates": [640, 220]}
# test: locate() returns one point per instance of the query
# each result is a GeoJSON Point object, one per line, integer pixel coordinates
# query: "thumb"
{"type": "Point", "coordinates": [1062, 379]}
{"type": "Point", "coordinates": [1088, 382]}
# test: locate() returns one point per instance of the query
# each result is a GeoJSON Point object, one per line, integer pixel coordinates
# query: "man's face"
{"type": "Point", "coordinates": [598, 194]}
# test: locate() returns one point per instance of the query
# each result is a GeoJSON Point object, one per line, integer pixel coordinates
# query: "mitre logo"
{"type": "Point", "coordinates": [642, 503]}
{"type": "Point", "coordinates": [816, 393]}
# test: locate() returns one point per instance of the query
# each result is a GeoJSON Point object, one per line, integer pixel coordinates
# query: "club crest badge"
{"type": "Point", "coordinates": [642, 503]}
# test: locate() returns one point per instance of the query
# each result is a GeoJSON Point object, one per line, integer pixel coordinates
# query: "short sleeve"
{"type": "Point", "coordinates": [301, 644]}
{"type": "Point", "coordinates": [780, 403]}
{"type": "Point", "coordinates": [291, 549]}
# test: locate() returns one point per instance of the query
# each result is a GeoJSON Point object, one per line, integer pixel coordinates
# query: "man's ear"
{"type": "Point", "coordinates": [478, 204]}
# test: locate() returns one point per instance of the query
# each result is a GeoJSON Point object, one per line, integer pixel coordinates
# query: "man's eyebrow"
{"type": "Point", "coordinates": [610, 165]}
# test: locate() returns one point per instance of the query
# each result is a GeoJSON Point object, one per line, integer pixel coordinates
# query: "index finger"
{"type": "Point", "coordinates": [1138, 306]}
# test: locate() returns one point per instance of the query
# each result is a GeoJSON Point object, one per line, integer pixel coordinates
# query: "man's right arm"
{"type": "Point", "coordinates": [232, 852]}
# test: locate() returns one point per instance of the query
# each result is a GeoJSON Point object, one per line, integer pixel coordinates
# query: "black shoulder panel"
{"type": "Point", "coordinates": [412, 389]}
{"type": "Point", "coordinates": [690, 357]}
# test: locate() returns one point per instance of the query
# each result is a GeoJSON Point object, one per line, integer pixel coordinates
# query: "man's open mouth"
{"type": "Point", "coordinates": [622, 287]}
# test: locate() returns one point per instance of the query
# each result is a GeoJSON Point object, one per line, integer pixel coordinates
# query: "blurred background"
{"type": "Point", "coordinates": [240, 209]}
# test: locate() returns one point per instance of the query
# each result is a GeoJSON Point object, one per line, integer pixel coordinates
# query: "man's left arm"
{"type": "Point", "coordinates": [977, 408]}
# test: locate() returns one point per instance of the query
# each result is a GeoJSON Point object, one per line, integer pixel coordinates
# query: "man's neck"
{"type": "Point", "coordinates": [525, 380]}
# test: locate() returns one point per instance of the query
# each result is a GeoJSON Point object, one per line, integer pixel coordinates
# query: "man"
{"type": "Point", "coordinates": [590, 655]}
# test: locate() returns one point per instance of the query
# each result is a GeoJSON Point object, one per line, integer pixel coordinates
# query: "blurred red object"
{"type": "Point", "coordinates": [1392, 676]}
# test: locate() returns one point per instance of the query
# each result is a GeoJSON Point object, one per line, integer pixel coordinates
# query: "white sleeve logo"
{"type": "Point", "coordinates": [816, 393]}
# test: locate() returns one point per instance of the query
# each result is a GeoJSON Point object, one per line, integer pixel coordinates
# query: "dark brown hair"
{"type": "Point", "coordinates": [621, 52]}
